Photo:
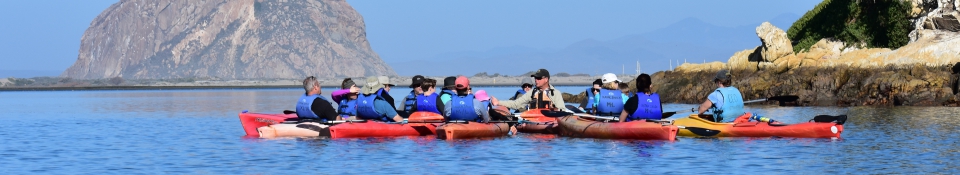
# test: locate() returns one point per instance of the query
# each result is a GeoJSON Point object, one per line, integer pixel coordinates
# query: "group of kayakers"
{"type": "Point", "coordinates": [609, 96]}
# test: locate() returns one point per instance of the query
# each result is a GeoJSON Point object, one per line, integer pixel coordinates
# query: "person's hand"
{"type": "Point", "coordinates": [494, 101]}
{"type": "Point", "coordinates": [354, 89]}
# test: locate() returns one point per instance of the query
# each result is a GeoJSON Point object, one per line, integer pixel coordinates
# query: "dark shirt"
{"type": "Point", "coordinates": [324, 109]}
{"type": "Point", "coordinates": [439, 104]}
{"type": "Point", "coordinates": [386, 96]}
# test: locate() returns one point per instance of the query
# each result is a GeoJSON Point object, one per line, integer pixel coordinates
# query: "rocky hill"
{"type": "Point", "coordinates": [922, 72]}
{"type": "Point", "coordinates": [226, 39]}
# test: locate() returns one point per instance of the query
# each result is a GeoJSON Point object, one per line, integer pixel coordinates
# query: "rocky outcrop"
{"type": "Point", "coordinates": [235, 39]}
{"type": "Point", "coordinates": [775, 43]}
{"type": "Point", "coordinates": [934, 15]}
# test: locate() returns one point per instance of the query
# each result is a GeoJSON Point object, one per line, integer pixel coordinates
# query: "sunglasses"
{"type": "Point", "coordinates": [538, 78]}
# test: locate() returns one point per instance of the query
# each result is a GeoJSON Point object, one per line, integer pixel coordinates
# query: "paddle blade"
{"type": "Point", "coordinates": [550, 113]}
{"type": "Point", "coordinates": [702, 131]}
{"type": "Point", "coordinates": [785, 98]}
{"type": "Point", "coordinates": [289, 112]}
{"type": "Point", "coordinates": [668, 114]}
{"type": "Point", "coordinates": [574, 109]}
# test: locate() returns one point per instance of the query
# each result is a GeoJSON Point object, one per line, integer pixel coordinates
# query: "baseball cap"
{"type": "Point", "coordinates": [417, 81]}
{"type": "Point", "coordinates": [481, 95]}
{"type": "Point", "coordinates": [609, 77]}
{"type": "Point", "coordinates": [722, 75]}
{"type": "Point", "coordinates": [450, 82]}
{"type": "Point", "coordinates": [541, 73]}
{"type": "Point", "coordinates": [462, 82]}
{"type": "Point", "coordinates": [384, 80]}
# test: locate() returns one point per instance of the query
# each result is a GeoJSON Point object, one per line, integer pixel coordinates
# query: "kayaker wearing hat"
{"type": "Point", "coordinates": [385, 92]}
{"type": "Point", "coordinates": [429, 101]}
{"type": "Point", "coordinates": [644, 105]}
{"type": "Point", "coordinates": [313, 106]}
{"type": "Point", "coordinates": [370, 106]}
{"type": "Point", "coordinates": [525, 86]}
{"type": "Point", "coordinates": [408, 101]}
{"type": "Point", "coordinates": [464, 106]}
{"type": "Point", "coordinates": [348, 104]}
{"type": "Point", "coordinates": [544, 96]}
{"type": "Point", "coordinates": [449, 84]}
{"type": "Point", "coordinates": [726, 102]}
{"type": "Point", "coordinates": [587, 103]}
{"type": "Point", "coordinates": [610, 99]}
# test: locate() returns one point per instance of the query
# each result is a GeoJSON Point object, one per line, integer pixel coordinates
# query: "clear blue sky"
{"type": "Point", "coordinates": [45, 35]}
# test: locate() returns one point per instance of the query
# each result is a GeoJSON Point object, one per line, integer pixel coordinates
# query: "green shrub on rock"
{"type": "Point", "coordinates": [869, 24]}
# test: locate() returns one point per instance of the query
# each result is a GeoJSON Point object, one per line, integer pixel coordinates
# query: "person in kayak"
{"type": "Point", "coordinates": [429, 101]}
{"type": "Point", "coordinates": [408, 102]}
{"type": "Point", "coordinates": [313, 106]}
{"type": "Point", "coordinates": [449, 84]}
{"type": "Point", "coordinates": [610, 99]}
{"type": "Point", "coordinates": [348, 104]}
{"type": "Point", "coordinates": [645, 104]}
{"type": "Point", "coordinates": [587, 104]}
{"type": "Point", "coordinates": [726, 102]}
{"type": "Point", "coordinates": [345, 89]}
{"type": "Point", "coordinates": [371, 106]}
{"type": "Point", "coordinates": [525, 86]}
{"type": "Point", "coordinates": [544, 96]}
{"type": "Point", "coordinates": [385, 91]}
{"type": "Point", "coordinates": [625, 89]}
{"type": "Point", "coordinates": [465, 106]}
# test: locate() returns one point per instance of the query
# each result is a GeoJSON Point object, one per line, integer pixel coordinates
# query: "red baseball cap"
{"type": "Point", "coordinates": [462, 82]}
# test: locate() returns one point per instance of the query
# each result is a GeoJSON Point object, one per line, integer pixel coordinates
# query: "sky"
{"type": "Point", "coordinates": [43, 36]}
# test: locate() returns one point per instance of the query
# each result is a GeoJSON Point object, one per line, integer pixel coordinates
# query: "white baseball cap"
{"type": "Point", "coordinates": [609, 77]}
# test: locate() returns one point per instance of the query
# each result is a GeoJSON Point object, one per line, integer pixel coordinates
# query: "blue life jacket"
{"type": "Point", "coordinates": [590, 100]}
{"type": "Point", "coordinates": [428, 104]}
{"type": "Point", "coordinates": [518, 94]}
{"type": "Point", "coordinates": [611, 102]}
{"type": "Point", "coordinates": [409, 101]}
{"type": "Point", "coordinates": [365, 107]}
{"type": "Point", "coordinates": [732, 105]}
{"type": "Point", "coordinates": [462, 108]}
{"type": "Point", "coordinates": [305, 106]}
{"type": "Point", "coordinates": [347, 108]}
{"type": "Point", "coordinates": [648, 107]}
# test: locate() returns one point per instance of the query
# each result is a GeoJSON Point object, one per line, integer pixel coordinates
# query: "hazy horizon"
{"type": "Point", "coordinates": [43, 37]}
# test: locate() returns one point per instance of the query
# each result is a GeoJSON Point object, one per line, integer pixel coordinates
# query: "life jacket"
{"type": "Point", "coordinates": [540, 100]}
{"type": "Point", "coordinates": [611, 102]}
{"type": "Point", "coordinates": [590, 100]}
{"type": "Point", "coordinates": [427, 103]}
{"type": "Point", "coordinates": [365, 107]}
{"type": "Point", "coordinates": [648, 107]}
{"type": "Point", "coordinates": [732, 105]}
{"type": "Point", "coordinates": [305, 106]}
{"type": "Point", "coordinates": [518, 94]}
{"type": "Point", "coordinates": [409, 101]}
{"type": "Point", "coordinates": [347, 108]}
{"type": "Point", "coordinates": [462, 108]}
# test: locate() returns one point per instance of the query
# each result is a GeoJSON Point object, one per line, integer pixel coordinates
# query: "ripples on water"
{"type": "Point", "coordinates": [197, 131]}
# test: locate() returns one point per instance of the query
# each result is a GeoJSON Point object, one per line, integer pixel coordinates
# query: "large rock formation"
{"type": "Point", "coordinates": [775, 43]}
{"type": "Point", "coordinates": [227, 39]}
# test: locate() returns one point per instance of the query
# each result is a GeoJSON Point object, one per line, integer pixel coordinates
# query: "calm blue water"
{"type": "Point", "coordinates": [197, 131]}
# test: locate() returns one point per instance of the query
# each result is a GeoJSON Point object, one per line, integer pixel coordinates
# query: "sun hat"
{"type": "Point", "coordinates": [481, 95]}
{"type": "Point", "coordinates": [609, 77]}
{"type": "Point", "coordinates": [373, 84]}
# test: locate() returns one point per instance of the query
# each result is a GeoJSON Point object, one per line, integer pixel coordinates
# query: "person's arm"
{"type": "Point", "coordinates": [324, 109]}
{"type": "Point", "coordinates": [447, 108]}
{"type": "Point", "coordinates": [338, 95]}
{"type": "Point", "coordinates": [440, 105]}
{"type": "Point", "coordinates": [384, 108]}
{"type": "Point", "coordinates": [444, 98]}
{"type": "Point", "coordinates": [517, 104]}
{"type": "Point", "coordinates": [629, 108]}
{"type": "Point", "coordinates": [711, 100]}
{"type": "Point", "coordinates": [557, 98]}
{"type": "Point", "coordinates": [481, 110]}
{"type": "Point", "coordinates": [623, 115]}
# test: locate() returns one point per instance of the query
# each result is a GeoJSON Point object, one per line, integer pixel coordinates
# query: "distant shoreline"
{"type": "Point", "coordinates": [96, 88]}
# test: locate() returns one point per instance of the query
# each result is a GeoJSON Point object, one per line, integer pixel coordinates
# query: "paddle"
{"type": "Point", "coordinates": [701, 131]}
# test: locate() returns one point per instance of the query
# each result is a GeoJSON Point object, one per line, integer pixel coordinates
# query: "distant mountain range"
{"type": "Point", "coordinates": [29, 73]}
{"type": "Point", "coordinates": [689, 39]}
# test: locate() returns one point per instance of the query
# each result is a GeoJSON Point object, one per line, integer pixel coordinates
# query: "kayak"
{"type": "Point", "coordinates": [575, 126]}
{"type": "Point", "coordinates": [306, 129]}
{"type": "Point", "coordinates": [472, 130]}
{"type": "Point", "coordinates": [537, 123]}
{"type": "Point", "coordinates": [252, 121]}
{"type": "Point", "coordinates": [421, 124]}
{"type": "Point", "coordinates": [698, 127]}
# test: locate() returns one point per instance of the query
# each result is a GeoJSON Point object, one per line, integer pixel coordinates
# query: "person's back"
{"type": "Point", "coordinates": [726, 101]}
{"type": "Point", "coordinates": [645, 104]}
{"type": "Point", "coordinates": [371, 106]}
{"type": "Point", "coordinates": [465, 106]}
{"type": "Point", "coordinates": [609, 101]}
{"type": "Point", "coordinates": [449, 84]}
{"type": "Point", "coordinates": [429, 101]}
{"type": "Point", "coordinates": [313, 106]}
{"type": "Point", "coordinates": [409, 100]}
{"type": "Point", "coordinates": [588, 102]}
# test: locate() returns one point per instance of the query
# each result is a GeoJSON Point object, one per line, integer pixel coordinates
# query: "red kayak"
{"type": "Point", "coordinates": [575, 126]}
{"type": "Point", "coordinates": [472, 130]}
{"type": "Point", "coordinates": [421, 124]}
{"type": "Point", "coordinates": [252, 121]}
{"type": "Point", "coordinates": [538, 123]}
{"type": "Point", "coordinates": [696, 126]}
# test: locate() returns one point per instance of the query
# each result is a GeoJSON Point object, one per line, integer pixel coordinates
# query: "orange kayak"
{"type": "Point", "coordinates": [472, 130]}
{"type": "Point", "coordinates": [574, 126]}
{"type": "Point", "coordinates": [539, 123]}
{"type": "Point", "coordinates": [252, 121]}
{"type": "Point", "coordinates": [698, 127]}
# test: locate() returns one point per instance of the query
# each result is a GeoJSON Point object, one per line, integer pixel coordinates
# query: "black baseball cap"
{"type": "Point", "coordinates": [541, 73]}
{"type": "Point", "coordinates": [417, 80]}
{"type": "Point", "coordinates": [450, 82]}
